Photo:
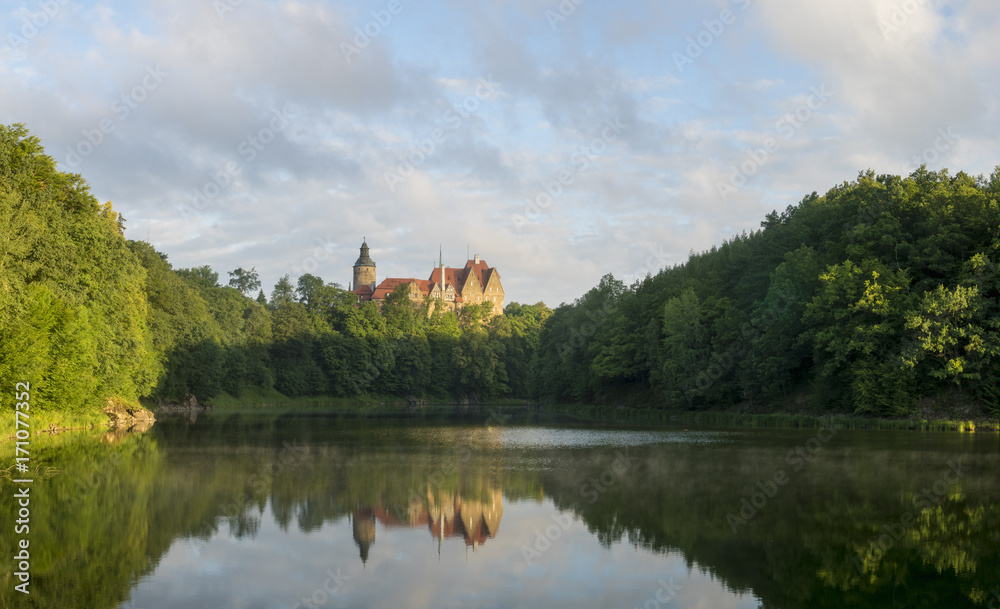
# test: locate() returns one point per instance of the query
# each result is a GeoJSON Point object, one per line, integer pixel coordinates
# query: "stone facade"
{"type": "Point", "coordinates": [450, 288]}
{"type": "Point", "coordinates": [364, 269]}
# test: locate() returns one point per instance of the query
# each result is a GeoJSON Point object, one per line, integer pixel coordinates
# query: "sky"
{"type": "Point", "coordinates": [559, 140]}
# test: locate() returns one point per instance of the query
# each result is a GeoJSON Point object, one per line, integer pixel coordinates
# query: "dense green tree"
{"type": "Point", "coordinates": [687, 368]}
{"type": "Point", "coordinates": [283, 293]}
{"type": "Point", "coordinates": [307, 288]}
{"type": "Point", "coordinates": [202, 276]}
{"type": "Point", "coordinates": [244, 281]}
{"type": "Point", "coordinates": [85, 315]}
{"type": "Point", "coordinates": [881, 292]}
{"type": "Point", "coordinates": [70, 289]}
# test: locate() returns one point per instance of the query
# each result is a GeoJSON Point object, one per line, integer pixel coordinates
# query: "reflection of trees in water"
{"type": "Point", "coordinates": [800, 550]}
{"type": "Point", "coordinates": [129, 502]}
{"type": "Point", "coordinates": [90, 530]}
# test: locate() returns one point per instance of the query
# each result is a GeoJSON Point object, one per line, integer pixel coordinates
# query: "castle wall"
{"type": "Point", "coordinates": [363, 275]}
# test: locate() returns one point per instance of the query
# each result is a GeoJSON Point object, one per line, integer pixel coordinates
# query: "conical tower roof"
{"type": "Point", "coordinates": [364, 259]}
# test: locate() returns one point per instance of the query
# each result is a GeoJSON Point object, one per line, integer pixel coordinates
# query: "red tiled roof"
{"type": "Point", "coordinates": [364, 293]}
{"type": "Point", "coordinates": [453, 276]}
{"type": "Point", "coordinates": [478, 269]}
{"type": "Point", "coordinates": [391, 283]}
{"type": "Point", "coordinates": [453, 527]}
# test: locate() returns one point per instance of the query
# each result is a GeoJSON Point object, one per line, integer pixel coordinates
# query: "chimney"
{"type": "Point", "coordinates": [477, 258]}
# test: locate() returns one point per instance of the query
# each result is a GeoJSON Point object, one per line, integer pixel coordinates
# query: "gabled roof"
{"type": "Point", "coordinates": [391, 283]}
{"type": "Point", "coordinates": [478, 268]}
{"type": "Point", "coordinates": [364, 293]}
{"type": "Point", "coordinates": [453, 276]}
{"type": "Point", "coordinates": [489, 274]}
{"type": "Point", "coordinates": [388, 285]}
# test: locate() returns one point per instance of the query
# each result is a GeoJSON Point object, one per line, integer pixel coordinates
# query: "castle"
{"type": "Point", "coordinates": [452, 288]}
{"type": "Point", "coordinates": [448, 516]}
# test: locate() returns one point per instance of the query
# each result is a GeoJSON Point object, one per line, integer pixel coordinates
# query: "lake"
{"type": "Point", "coordinates": [276, 510]}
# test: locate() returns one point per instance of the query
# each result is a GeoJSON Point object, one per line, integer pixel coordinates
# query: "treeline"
{"type": "Point", "coordinates": [86, 314]}
{"type": "Point", "coordinates": [879, 297]}
{"type": "Point", "coordinates": [73, 310]}
{"type": "Point", "coordinates": [314, 340]}
{"type": "Point", "coordinates": [868, 299]}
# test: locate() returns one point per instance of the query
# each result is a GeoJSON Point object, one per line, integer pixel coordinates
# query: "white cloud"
{"type": "Point", "coordinates": [321, 178]}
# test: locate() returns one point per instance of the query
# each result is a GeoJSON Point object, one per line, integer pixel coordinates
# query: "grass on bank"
{"type": "Point", "coordinates": [42, 420]}
{"type": "Point", "coordinates": [256, 398]}
{"type": "Point", "coordinates": [381, 404]}
{"type": "Point", "coordinates": [775, 420]}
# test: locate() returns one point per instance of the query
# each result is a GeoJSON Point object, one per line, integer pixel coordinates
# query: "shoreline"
{"type": "Point", "coordinates": [54, 423]}
{"type": "Point", "coordinates": [396, 406]}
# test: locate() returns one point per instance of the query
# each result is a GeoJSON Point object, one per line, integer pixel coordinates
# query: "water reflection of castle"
{"type": "Point", "coordinates": [451, 516]}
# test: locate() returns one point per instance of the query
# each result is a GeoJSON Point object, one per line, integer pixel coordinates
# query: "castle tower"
{"type": "Point", "coordinates": [364, 268]}
{"type": "Point", "coordinates": [364, 531]}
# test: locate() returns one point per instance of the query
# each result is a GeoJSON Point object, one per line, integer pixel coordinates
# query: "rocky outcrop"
{"type": "Point", "coordinates": [470, 399]}
{"type": "Point", "coordinates": [124, 417]}
{"type": "Point", "coordinates": [187, 405]}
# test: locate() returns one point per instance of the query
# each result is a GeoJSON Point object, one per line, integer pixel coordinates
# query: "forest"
{"type": "Point", "coordinates": [86, 314]}
{"type": "Point", "coordinates": [878, 298]}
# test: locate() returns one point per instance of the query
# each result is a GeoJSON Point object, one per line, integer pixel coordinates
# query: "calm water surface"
{"type": "Point", "coordinates": [297, 511]}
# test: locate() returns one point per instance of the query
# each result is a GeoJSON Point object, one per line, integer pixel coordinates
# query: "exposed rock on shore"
{"type": "Point", "coordinates": [187, 405]}
{"type": "Point", "coordinates": [124, 417]}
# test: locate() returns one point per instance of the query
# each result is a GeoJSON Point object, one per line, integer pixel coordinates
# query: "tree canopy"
{"type": "Point", "coordinates": [879, 294]}
{"type": "Point", "coordinates": [872, 298]}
